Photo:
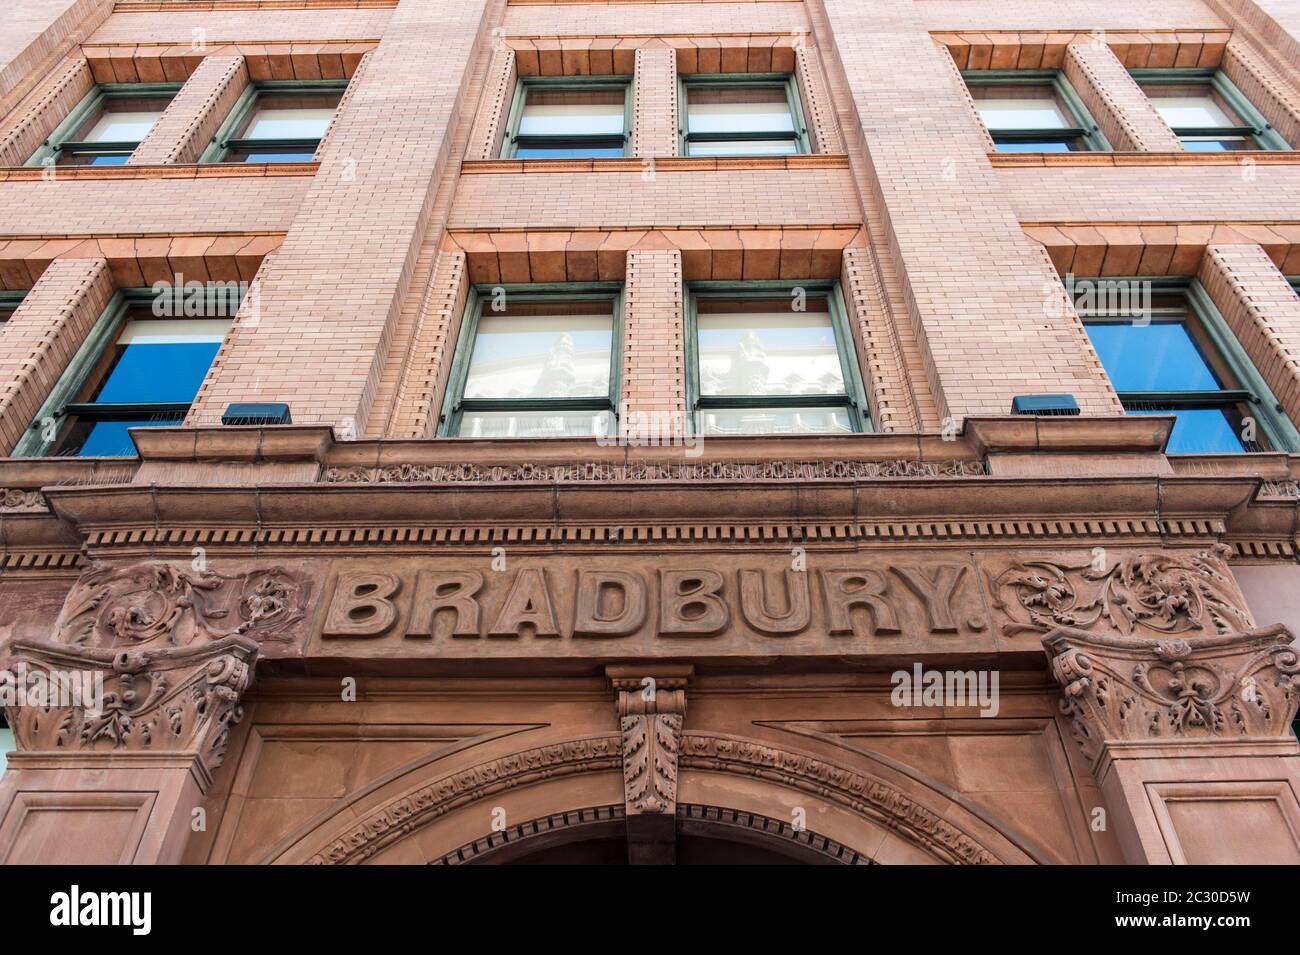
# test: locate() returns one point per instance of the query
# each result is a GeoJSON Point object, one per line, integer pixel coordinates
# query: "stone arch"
{"type": "Point", "coordinates": [870, 807]}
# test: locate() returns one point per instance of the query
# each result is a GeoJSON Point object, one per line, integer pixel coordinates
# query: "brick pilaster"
{"type": "Point", "coordinates": [818, 110]}
{"type": "Point", "coordinates": [331, 301]}
{"type": "Point", "coordinates": [1266, 89]}
{"type": "Point", "coordinates": [884, 371]}
{"type": "Point", "coordinates": [1260, 307]}
{"type": "Point", "coordinates": [653, 333]}
{"type": "Point", "coordinates": [191, 119]}
{"type": "Point", "coordinates": [354, 83]}
{"type": "Point", "coordinates": [654, 103]}
{"type": "Point", "coordinates": [494, 110]}
{"type": "Point", "coordinates": [1115, 100]}
{"type": "Point", "coordinates": [978, 290]}
{"type": "Point", "coordinates": [42, 336]}
{"type": "Point", "coordinates": [41, 111]}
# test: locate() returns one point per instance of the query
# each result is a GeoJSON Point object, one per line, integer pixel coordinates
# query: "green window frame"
{"type": "Point", "coordinates": [1085, 127]}
{"type": "Point", "coordinates": [224, 142]}
{"type": "Point", "coordinates": [513, 141]}
{"type": "Point", "coordinates": [9, 302]}
{"type": "Point", "coordinates": [854, 399]}
{"type": "Point", "coordinates": [7, 744]}
{"type": "Point", "coordinates": [786, 81]}
{"type": "Point", "coordinates": [1274, 426]}
{"type": "Point", "coordinates": [59, 406]}
{"type": "Point", "coordinates": [1255, 125]}
{"type": "Point", "coordinates": [60, 142]}
{"type": "Point", "coordinates": [455, 404]}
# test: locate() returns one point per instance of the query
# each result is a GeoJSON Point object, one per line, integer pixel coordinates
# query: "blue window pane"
{"type": "Point", "coordinates": [1201, 431]}
{"type": "Point", "coordinates": [151, 372]}
{"type": "Point", "coordinates": [305, 155]}
{"type": "Point", "coordinates": [1235, 144]}
{"type": "Point", "coordinates": [114, 160]}
{"type": "Point", "coordinates": [574, 152]}
{"type": "Point", "coordinates": [109, 439]}
{"type": "Point", "coordinates": [1033, 147]}
{"type": "Point", "coordinates": [1160, 356]}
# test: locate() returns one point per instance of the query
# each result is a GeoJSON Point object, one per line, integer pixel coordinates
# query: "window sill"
{"type": "Point", "coordinates": [177, 171]}
{"type": "Point", "coordinates": [1259, 157]}
{"type": "Point", "coordinates": [661, 164]}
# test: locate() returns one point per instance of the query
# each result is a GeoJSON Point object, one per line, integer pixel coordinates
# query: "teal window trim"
{"type": "Point", "coordinates": [454, 404]}
{"type": "Point", "coordinates": [513, 141]}
{"type": "Point", "coordinates": [9, 301]}
{"type": "Point", "coordinates": [60, 141]}
{"type": "Point", "coordinates": [799, 136]}
{"type": "Point", "coordinates": [1085, 127]}
{"type": "Point", "coordinates": [1256, 126]}
{"type": "Point", "coordinates": [1276, 427]}
{"type": "Point", "coordinates": [854, 399]}
{"type": "Point", "coordinates": [224, 141]}
{"type": "Point", "coordinates": [58, 406]}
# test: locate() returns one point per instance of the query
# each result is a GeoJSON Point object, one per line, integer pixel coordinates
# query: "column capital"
{"type": "Point", "coordinates": [1175, 695]}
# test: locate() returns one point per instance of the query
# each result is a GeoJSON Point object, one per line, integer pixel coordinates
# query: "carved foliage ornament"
{"type": "Point", "coordinates": [21, 501]}
{"type": "Point", "coordinates": [650, 713]}
{"type": "Point", "coordinates": [164, 700]}
{"type": "Point", "coordinates": [1157, 593]}
{"type": "Point", "coordinates": [1243, 685]}
{"type": "Point", "coordinates": [162, 604]}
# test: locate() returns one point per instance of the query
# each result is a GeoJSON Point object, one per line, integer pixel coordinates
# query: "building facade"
{"type": "Point", "coordinates": [649, 431]}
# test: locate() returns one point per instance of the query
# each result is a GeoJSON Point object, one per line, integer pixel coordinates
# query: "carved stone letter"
{"type": "Point", "coordinates": [592, 584]}
{"type": "Point", "coordinates": [846, 589]}
{"type": "Point", "coordinates": [449, 591]}
{"type": "Point", "coordinates": [361, 606]}
{"type": "Point", "coordinates": [935, 589]}
{"type": "Point", "coordinates": [753, 603]}
{"type": "Point", "coordinates": [690, 603]}
{"type": "Point", "coordinates": [527, 604]}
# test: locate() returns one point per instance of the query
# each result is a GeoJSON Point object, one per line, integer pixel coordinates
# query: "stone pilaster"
{"type": "Point", "coordinates": [1190, 739]}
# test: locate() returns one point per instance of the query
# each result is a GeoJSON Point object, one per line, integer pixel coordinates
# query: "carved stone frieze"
{"type": "Point", "coordinates": [158, 603]}
{"type": "Point", "coordinates": [162, 700]}
{"type": "Point", "coordinates": [1157, 593]}
{"type": "Point", "coordinates": [602, 473]}
{"type": "Point", "coordinates": [20, 501]}
{"type": "Point", "coordinates": [1240, 685]}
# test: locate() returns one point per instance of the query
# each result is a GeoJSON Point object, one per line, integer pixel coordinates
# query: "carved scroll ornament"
{"type": "Point", "coordinates": [651, 711]}
{"type": "Point", "coordinates": [157, 603]}
{"type": "Point", "coordinates": [1242, 685]}
{"type": "Point", "coordinates": [163, 701]}
{"type": "Point", "coordinates": [1159, 593]}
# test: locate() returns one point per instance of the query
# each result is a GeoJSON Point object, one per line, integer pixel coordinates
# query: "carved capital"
{"type": "Point", "coordinates": [651, 710]}
{"type": "Point", "coordinates": [1236, 686]}
{"type": "Point", "coordinates": [177, 700]}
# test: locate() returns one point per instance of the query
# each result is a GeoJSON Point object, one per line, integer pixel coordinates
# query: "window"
{"type": "Point", "coordinates": [106, 126]}
{"type": "Point", "coordinates": [133, 370]}
{"type": "Point", "coordinates": [277, 121]}
{"type": "Point", "coordinates": [741, 114]}
{"type": "Point", "coordinates": [1033, 111]}
{"type": "Point", "coordinates": [1207, 111]}
{"type": "Point", "coordinates": [564, 118]}
{"type": "Point", "coordinates": [771, 358]}
{"type": "Point", "coordinates": [9, 302]}
{"type": "Point", "coordinates": [1174, 354]}
{"type": "Point", "coordinates": [536, 362]}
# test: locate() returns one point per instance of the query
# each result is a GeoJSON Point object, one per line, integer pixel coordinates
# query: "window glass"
{"type": "Point", "coordinates": [763, 347]}
{"type": "Point", "coordinates": [534, 424]}
{"type": "Point", "coordinates": [6, 744]}
{"type": "Point", "coordinates": [1199, 430]}
{"type": "Point", "coordinates": [1161, 356]}
{"type": "Point", "coordinates": [269, 122]}
{"type": "Point", "coordinates": [122, 126]}
{"type": "Point", "coordinates": [738, 109]}
{"type": "Point", "coordinates": [775, 420]}
{"type": "Point", "coordinates": [1194, 105]}
{"type": "Point", "coordinates": [541, 350]}
{"type": "Point", "coordinates": [572, 112]}
{"type": "Point", "coordinates": [1020, 107]}
{"type": "Point", "coordinates": [754, 147]}
{"type": "Point", "coordinates": [161, 360]}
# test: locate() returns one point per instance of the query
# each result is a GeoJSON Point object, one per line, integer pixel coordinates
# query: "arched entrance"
{"type": "Point", "coordinates": [706, 835]}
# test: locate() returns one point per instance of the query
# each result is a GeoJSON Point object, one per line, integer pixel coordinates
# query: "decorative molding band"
{"type": "Point", "coordinates": [256, 170]}
{"type": "Point", "coordinates": [636, 473]}
{"type": "Point", "coordinates": [1285, 491]}
{"type": "Point", "coordinates": [1264, 550]}
{"type": "Point", "coordinates": [19, 501]}
{"type": "Point", "coordinates": [393, 537]}
{"type": "Point", "coordinates": [37, 560]}
{"type": "Point", "coordinates": [488, 167]}
{"type": "Point", "coordinates": [530, 831]}
{"type": "Point", "coordinates": [864, 795]}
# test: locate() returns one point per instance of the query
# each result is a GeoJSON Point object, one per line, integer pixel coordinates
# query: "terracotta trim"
{"type": "Point", "coordinates": [477, 167]}
{"type": "Point", "coordinates": [1260, 158]}
{"type": "Point", "coordinates": [1039, 49]}
{"type": "Point", "coordinates": [1158, 248]}
{"type": "Point", "coordinates": [169, 6]}
{"type": "Point", "coordinates": [161, 171]}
